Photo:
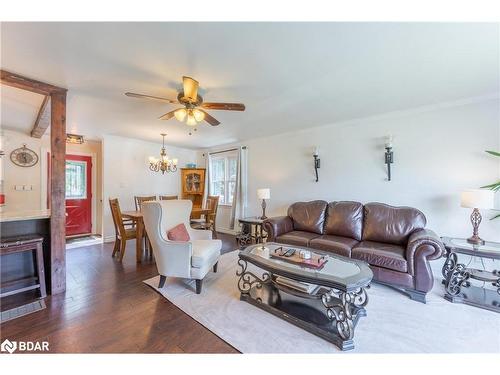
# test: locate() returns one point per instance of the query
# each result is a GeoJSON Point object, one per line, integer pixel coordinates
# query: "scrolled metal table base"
{"type": "Point", "coordinates": [248, 279]}
{"type": "Point", "coordinates": [340, 309]}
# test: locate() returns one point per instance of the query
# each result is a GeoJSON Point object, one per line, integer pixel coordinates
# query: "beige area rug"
{"type": "Point", "coordinates": [394, 324]}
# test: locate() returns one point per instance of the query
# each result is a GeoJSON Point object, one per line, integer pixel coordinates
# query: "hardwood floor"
{"type": "Point", "coordinates": [108, 309]}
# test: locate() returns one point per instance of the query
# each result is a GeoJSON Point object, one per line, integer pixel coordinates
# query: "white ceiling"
{"type": "Point", "coordinates": [289, 75]}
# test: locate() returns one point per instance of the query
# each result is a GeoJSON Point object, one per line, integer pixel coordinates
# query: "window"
{"type": "Point", "coordinates": [223, 170]}
{"type": "Point", "coordinates": [76, 181]}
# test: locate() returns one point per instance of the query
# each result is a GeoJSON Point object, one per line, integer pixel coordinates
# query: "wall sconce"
{"type": "Point", "coordinates": [389, 155]}
{"type": "Point", "coordinates": [316, 161]}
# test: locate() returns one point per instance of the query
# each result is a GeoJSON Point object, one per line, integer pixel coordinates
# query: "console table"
{"type": "Point", "coordinates": [458, 275]}
{"type": "Point", "coordinates": [20, 244]}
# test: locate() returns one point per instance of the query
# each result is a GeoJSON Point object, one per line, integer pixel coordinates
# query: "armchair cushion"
{"type": "Point", "coordinates": [205, 253]}
{"type": "Point", "coordinates": [178, 233]}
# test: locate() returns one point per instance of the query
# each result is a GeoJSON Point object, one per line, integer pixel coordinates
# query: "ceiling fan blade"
{"type": "Point", "coordinates": [190, 88]}
{"type": "Point", "coordinates": [225, 106]}
{"type": "Point", "coordinates": [168, 115]}
{"type": "Point", "coordinates": [142, 96]}
{"type": "Point", "coordinates": [211, 120]}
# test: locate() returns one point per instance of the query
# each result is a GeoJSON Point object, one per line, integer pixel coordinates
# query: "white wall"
{"type": "Point", "coordinates": [11, 174]}
{"type": "Point", "coordinates": [438, 151]}
{"type": "Point", "coordinates": [126, 173]}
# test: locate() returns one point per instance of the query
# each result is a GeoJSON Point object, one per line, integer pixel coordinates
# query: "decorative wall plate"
{"type": "Point", "coordinates": [24, 157]}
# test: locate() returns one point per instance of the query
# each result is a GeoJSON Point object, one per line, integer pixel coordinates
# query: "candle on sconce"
{"type": "Point", "coordinates": [388, 141]}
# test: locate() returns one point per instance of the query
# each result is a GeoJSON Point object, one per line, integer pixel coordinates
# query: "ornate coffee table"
{"type": "Point", "coordinates": [331, 311]}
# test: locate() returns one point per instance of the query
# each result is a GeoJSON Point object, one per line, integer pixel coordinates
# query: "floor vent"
{"type": "Point", "coordinates": [23, 310]}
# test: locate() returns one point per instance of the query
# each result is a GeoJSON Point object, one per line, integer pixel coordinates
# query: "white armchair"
{"type": "Point", "coordinates": [191, 259]}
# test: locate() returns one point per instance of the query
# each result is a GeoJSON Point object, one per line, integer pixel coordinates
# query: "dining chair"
{"type": "Point", "coordinates": [192, 259]}
{"type": "Point", "coordinates": [138, 200]}
{"type": "Point", "coordinates": [122, 234]}
{"type": "Point", "coordinates": [168, 197]}
{"type": "Point", "coordinates": [208, 223]}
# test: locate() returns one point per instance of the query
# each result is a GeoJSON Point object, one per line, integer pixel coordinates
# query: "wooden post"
{"type": "Point", "coordinates": [57, 192]}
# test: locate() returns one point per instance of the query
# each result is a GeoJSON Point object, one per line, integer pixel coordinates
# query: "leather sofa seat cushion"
{"type": "Point", "coordinates": [388, 224]}
{"type": "Point", "coordinates": [381, 255]}
{"type": "Point", "coordinates": [335, 244]}
{"type": "Point", "coordinates": [344, 219]}
{"type": "Point", "coordinates": [296, 237]}
{"type": "Point", "coordinates": [308, 216]}
{"type": "Point", "coordinates": [204, 252]}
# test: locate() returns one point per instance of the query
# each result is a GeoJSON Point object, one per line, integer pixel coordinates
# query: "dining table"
{"type": "Point", "coordinates": [137, 217]}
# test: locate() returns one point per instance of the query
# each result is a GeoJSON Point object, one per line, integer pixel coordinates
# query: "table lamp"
{"type": "Point", "coordinates": [477, 199]}
{"type": "Point", "coordinates": [264, 194]}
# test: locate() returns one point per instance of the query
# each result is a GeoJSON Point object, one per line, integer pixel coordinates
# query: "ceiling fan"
{"type": "Point", "coordinates": [193, 111]}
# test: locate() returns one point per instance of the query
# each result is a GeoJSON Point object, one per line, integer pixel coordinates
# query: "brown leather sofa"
{"type": "Point", "coordinates": [393, 240]}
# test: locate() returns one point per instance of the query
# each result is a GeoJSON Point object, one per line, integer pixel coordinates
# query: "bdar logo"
{"type": "Point", "coordinates": [8, 346]}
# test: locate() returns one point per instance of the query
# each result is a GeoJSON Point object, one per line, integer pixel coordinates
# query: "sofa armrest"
{"type": "Point", "coordinates": [173, 258]}
{"type": "Point", "coordinates": [423, 245]}
{"type": "Point", "coordinates": [425, 237]}
{"type": "Point", "coordinates": [276, 226]}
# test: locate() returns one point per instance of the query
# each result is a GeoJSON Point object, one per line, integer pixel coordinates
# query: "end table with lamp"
{"type": "Point", "coordinates": [252, 227]}
{"type": "Point", "coordinates": [458, 275]}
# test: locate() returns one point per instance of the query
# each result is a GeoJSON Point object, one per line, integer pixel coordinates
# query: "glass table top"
{"type": "Point", "coordinates": [338, 270]}
{"type": "Point", "coordinates": [460, 245]}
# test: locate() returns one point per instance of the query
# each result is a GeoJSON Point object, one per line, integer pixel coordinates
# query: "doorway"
{"type": "Point", "coordinates": [78, 195]}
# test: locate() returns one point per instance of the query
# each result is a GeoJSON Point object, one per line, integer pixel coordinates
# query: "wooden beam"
{"type": "Point", "coordinates": [57, 192]}
{"type": "Point", "coordinates": [25, 83]}
{"type": "Point", "coordinates": [42, 121]}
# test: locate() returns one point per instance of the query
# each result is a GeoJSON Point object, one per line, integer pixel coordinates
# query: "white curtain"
{"type": "Point", "coordinates": [206, 192]}
{"type": "Point", "coordinates": [238, 209]}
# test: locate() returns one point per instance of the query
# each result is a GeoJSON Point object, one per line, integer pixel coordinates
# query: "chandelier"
{"type": "Point", "coordinates": [163, 164]}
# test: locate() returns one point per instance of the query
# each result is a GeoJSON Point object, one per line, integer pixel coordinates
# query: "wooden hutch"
{"type": "Point", "coordinates": [193, 186]}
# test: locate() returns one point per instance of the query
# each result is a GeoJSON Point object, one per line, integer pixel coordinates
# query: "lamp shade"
{"type": "Point", "coordinates": [477, 198]}
{"type": "Point", "coordinates": [264, 193]}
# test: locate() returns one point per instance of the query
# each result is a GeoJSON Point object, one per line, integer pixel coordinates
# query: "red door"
{"type": "Point", "coordinates": [78, 195]}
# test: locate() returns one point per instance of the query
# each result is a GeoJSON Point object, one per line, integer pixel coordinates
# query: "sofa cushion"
{"type": "Point", "coordinates": [344, 219]}
{"type": "Point", "coordinates": [381, 255]}
{"type": "Point", "coordinates": [335, 244]}
{"type": "Point", "coordinates": [388, 224]}
{"type": "Point", "coordinates": [296, 237]}
{"type": "Point", "coordinates": [308, 216]}
{"type": "Point", "coordinates": [205, 252]}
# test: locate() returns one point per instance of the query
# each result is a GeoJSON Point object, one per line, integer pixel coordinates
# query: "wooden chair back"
{"type": "Point", "coordinates": [138, 200]}
{"type": "Point", "coordinates": [117, 217]}
{"type": "Point", "coordinates": [168, 197]}
{"type": "Point", "coordinates": [213, 205]}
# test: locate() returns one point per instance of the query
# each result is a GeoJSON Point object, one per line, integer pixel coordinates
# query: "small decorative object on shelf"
{"type": "Point", "coordinates": [317, 163]}
{"type": "Point", "coordinates": [190, 165]}
{"type": "Point", "coordinates": [477, 199]}
{"type": "Point", "coordinates": [264, 194]}
{"type": "Point", "coordinates": [163, 164]}
{"type": "Point", "coordinates": [389, 155]}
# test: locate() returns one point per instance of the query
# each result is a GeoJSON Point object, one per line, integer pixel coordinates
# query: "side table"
{"type": "Point", "coordinates": [251, 231]}
{"type": "Point", "coordinates": [458, 276]}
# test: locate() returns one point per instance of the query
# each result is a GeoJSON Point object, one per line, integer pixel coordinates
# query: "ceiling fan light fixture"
{"type": "Point", "coordinates": [191, 120]}
{"type": "Point", "coordinates": [198, 115]}
{"type": "Point", "coordinates": [180, 114]}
